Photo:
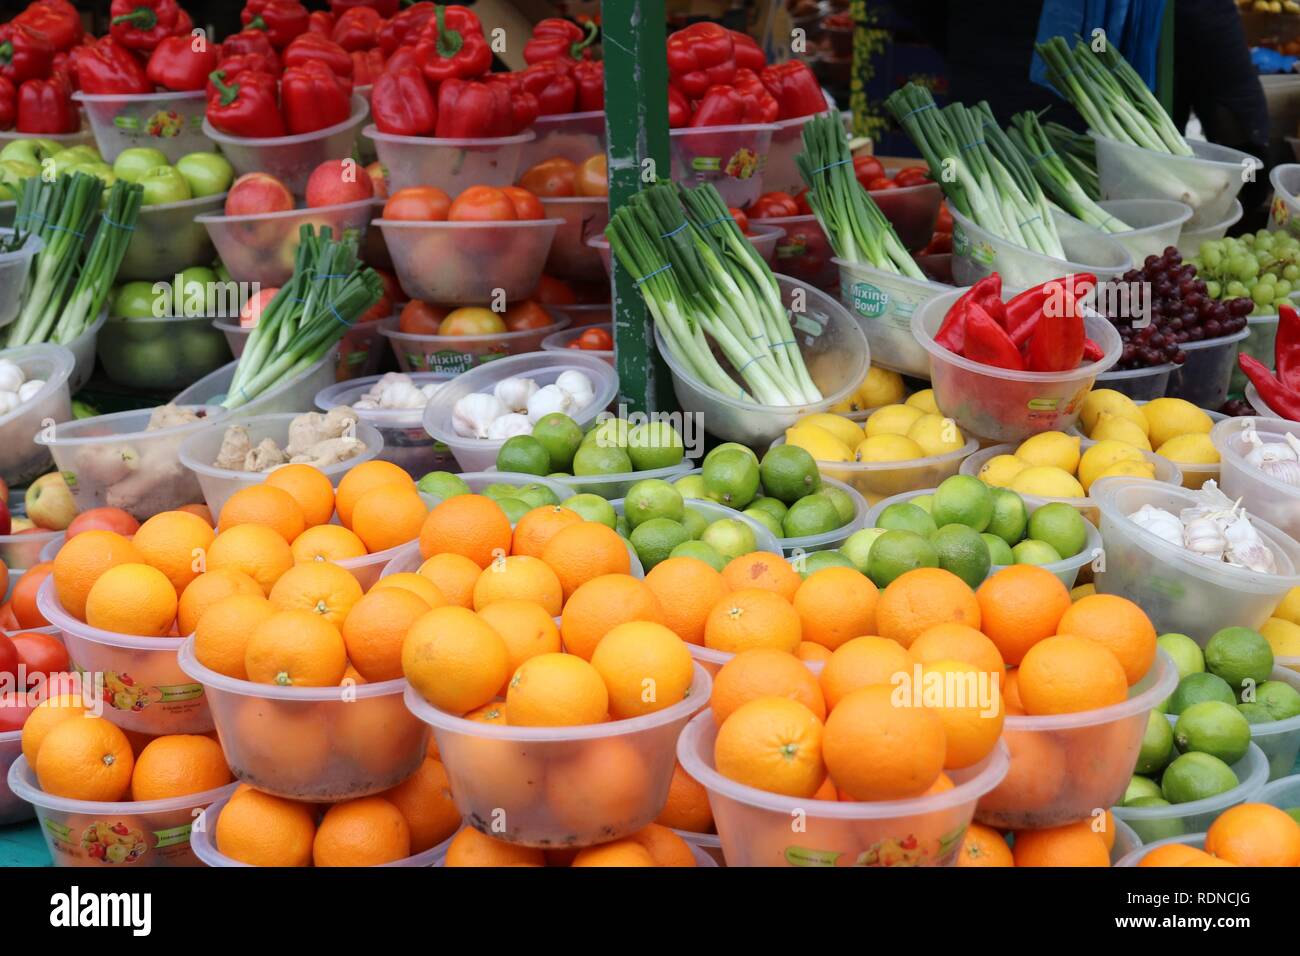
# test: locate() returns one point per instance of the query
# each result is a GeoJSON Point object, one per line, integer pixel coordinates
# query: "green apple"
{"type": "Point", "coordinates": [163, 184]}
{"type": "Point", "coordinates": [13, 172]}
{"type": "Point", "coordinates": [135, 300]}
{"type": "Point", "coordinates": [197, 292]}
{"type": "Point", "coordinates": [133, 163]}
{"type": "Point", "coordinates": [97, 168]}
{"type": "Point", "coordinates": [74, 156]}
{"type": "Point", "coordinates": [32, 151]}
{"type": "Point", "coordinates": [207, 173]}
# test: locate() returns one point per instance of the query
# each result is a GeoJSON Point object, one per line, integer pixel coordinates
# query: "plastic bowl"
{"type": "Point", "coordinates": [1155, 224]}
{"type": "Point", "coordinates": [318, 744]}
{"type": "Point", "coordinates": [83, 352]}
{"type": "Point", "coordinates": [802, 251]}
{"type": "Point", "coordinates": [261, 247]}
{"type": "Point", "coordinates": [559, 342]}
{"type": "Point", "coordinates": [730, 157]}
{"type": "Point", "coordinates": [1181, 591]}
{"type": "Point", "coordinates": [1259, 343]}
{"type": "Point", "coordinates": [143, 688]}
{"type": "Point", "coordinates": [161, 354]}
{"type": "Point", "coordinates": [294, 394]}
{"type": "Point", "coordinates": [1203, 378]}
{"type": "Point", "coordinates": [291, 159]}
{"type": "Point", "coordinates": [480, 454]}
{"type": "Point", "coordinates": [469, 263]}
{"type": "Point", "coordinates": [171, 122]}
{"type": "Point", "coordinates": [82, 137]}
{"type": "Point", "coordinates": [1139, 384]}
{"type": "Point", "coordinates": [54, 541]}
{"type": "Point", "coordinates": [1283, 793]}
{"type": "Point", "coordinates": [763, 238]}
{"type": "Point", "coordinates": [583, 217]}
{"type": "Point", "coordinates": [13, 808]}
{"type": "Point", "coordinates": [21, 459]}
{"type": "Point", "coordinates": [1275, 501]}
{"type": "Point", "coordinates": [1138, 854]}
{"type": "Point", "coordinates": [1208, 181]}
{"type": "Point", "coordinates": [1126, 841]}
{"type": "Point", "coordinates": [755, 830]}
{"type": "Point", "coordinates": [1189, 243]}
{"type": "Point", "coordinates": [1280, 739]}
{"type": "Point", "coordinates": [452, 354]}
{"type": "Point", "coordinates": [561, 786]}
{"type": "Point", "coordinates": [1285, 207]}
{"type": "Point", "coordinates": [884, 303]}
{"type": "Point", "coordinates": [15, 270]}
{"type": "Point", "coordinates": [781, 173]}
{"type": "Point", "coordinates": [912, 211]}
{"type": "Point", "coordinates": [616, 487]}
{"type": "Point", "coordinates": [22, 551]}
{"type": "Point", "coordinates": [450, 164]}
{"type": "Point", "coordinates": [168, 239]}
{"type": "Point", "coordinates": [1257, 403]}
{"type": "Point", "coordinates": [361, 350]}
{"type": "Point", "coordinates": [585, 313]}
{"type": "Point", "coordinates": [1065, 766]}
{"type": "Point", "coordinates": [1003, 404]}
{"type": "Point", "coordinates": [834, 349]}
{"type": "Point", "coordinates": [158, 832]}
{"type": "Point", "coordinates": [976, 253]}
{"type": "Point", "coordinates": [405, 442]}
{"type": "Point", "coordinates": [699, 849]}
{"type": "Point", "coordinates": [200, 448]}
{"type": "Point", "coordinates": [571, 136]}
{"type": "Point", "coordinates": [1192, 475]}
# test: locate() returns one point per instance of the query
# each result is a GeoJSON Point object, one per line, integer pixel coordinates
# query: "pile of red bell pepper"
{"type": "Point", "coordinates": [1279, 390]}
{"type": "Point", "coordinates": [36, 78]}
{"type": "Point", "coordinates": [1040, 330]}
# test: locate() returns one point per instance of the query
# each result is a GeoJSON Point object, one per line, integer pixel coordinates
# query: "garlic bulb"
{"type": "Point", "coordinates": [474, 414]}
{"type": "Point", "coordinates": [579, 387]}
{"type": "Point", "coordinates": [8, 402]}
{"type": "Point", "coordinates": [11, 376]}
{"type": "Point", "coordinates": [402, 395]}
{"type": "Point", "coordinates": [1278, 460]}
{"type": "Point", "coordinates": [365, 405]}
{"type": "Point", "coordinates": [1246, 549]}
{"type": "Point", "coordinates": [546, 400]}
{"type": "Point", "coordinates": [30, 389]}
{"type": "Point", "coordinates": [514, 393]}
{"type": "Point", "coordinates": [1160, 523]}
{"type": "Point", "coordinates": [1203, 536]}
{"type": "Point", "coordinates": [508, 426]}
{"type": "Point", "coordinates": [431, 389]}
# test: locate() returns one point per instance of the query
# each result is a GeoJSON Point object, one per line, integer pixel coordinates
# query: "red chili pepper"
{"type": "Point", "coordinates": [700, 56]}
{"type": "Point", "coordinates": [749, 55]}
{"type": "Point", "coordinates": [367, 65]}
{"type": "Point", "coordinates": [795, 88]}
{"type": "Point", "coordinates": [59, 20]}
{"type": "Point", "coordinates": [313, 46]}
{"type": "Point", "coordinates": [386, 8]}
{"type": "Point", "coordinates": [987, 342]}
{"type": "Point", "coordinates": [1286, 347]}
{"type": "Point", "coordinates": [45, 106]}
{"type": "Point", "coordinates": [25, 54]}
{"type": "Point", "coordinates": [558, 39]}
{"type": "Point", "coordinates": [250, 41]}
{"type": "Point", "coordinates": [233, 66]}
{"type": "Point", "coordinates": [679, 108]}
{"type": "Point", "coordinates": [720, 106]}
{"type": "Point", "coordinates": [402, 105]}
{"type": "Point", "coordinates": [404, 27]}
{"type": "Point", "coordinates": [452, 46]}
{"type": "Point", "coordinates": [357, 29]}
{"type": "Point", "coordinates": [246, 107]}
{"type": "Point", "coordinates": [176, 64]}
{"type": "Point", "coordinates": [470, 109]}
{"type": "Point", "coordinates": [8, 104]}
{"type": "Point", "coordinates": [761, 106]}
{"type": "Point", "coordinates": [1275, 394]}
{"type": "Point", "coordinates": [108, 67]}
{"type": "Point", "coordinates": [142, 24]}
{"type": "Point", "coordinates": [590, 77]}
{"type": "Point", "coordinates": [320, 21]}
{"type": "Point", "coordinates": [281, 20]}
{"type": "Point", "coordinates": [312, 97]}
{"type": "Point", "coordinates": [554, 88]}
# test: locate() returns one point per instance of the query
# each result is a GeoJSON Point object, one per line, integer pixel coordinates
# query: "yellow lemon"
{"type": "Point", "coordinates": [924, 400]}
{"type": "Point", "coordinates": [1128, 469]}
{"type": "Point", "coordinates": [1168, 417]}
{"type": "Point", "coordinates": [1289, 609]}
{"type": "Point", "coordinates": [1108, 400]}
{"type": "Point", "coordinates": [1046, 481]}
{"type": "Point", "coordinates": [892, 420]}
{"type": "Point", "coordinates": [1056, 449]}
{"type": "Point", "coordinates": [818, 442]}
{"type": "Point", "coordinates": [1194, 448]}
{"type": "Point", "coordinates": [881, 387]}
{"type": "Point", "coordinates": [888, 448]}
{"type": "Point", "coordinates": [1102, 455]}
{"type": "Point", "coordinates": [1082, 591]}
{"type": "Point", "coordinates": [1000, 470]}
{"type": "Point", "coordinates": [936, 435]}
{"type": "Point", "coordinates": [1283, 636]}
{"type": "Point", "coordinates": [1120, 429]}
{"type": "Point", "coordinates": [849, 432]}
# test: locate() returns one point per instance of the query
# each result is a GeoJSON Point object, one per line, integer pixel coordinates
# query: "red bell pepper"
{"type": "Point", "coordinates": [57, 19]}
{"type": "Point", "coordinates": [987, 293]}
{"type": "Point", "coordinates": [179, 64]}
{"type": "Point", "coordinates": [1286, 347]}
{"type": "Point", "coordinates": [1276, 395]}
{"type": "Point", "coordinates": [760, 105]}
{"type": "Point", "coordinates": [386, 8]}
{"type": "Point", "coordinates": [470, 109]}
{"type": "Point", "coordinates": [25, 54]}
{"type": "Point", "coordinates": [312, 97]}
{"type": "Point", "coordinates": [1026, 310]}
{"type": "Point", "coordinates": [281, 20]}
{"type": "Point", "coordinates": [142, 24]}
{"type": "Point", "coordinates": [313, 46]}
{"type": "Point", "coordinates": [554, 88]}
{"type": "Point", "coordinates": [357, 29]}
{"type": "Point", "coordinates": [405, 27]}
{"type": "Point", "coordinates": [250, 41]}
{"type": "Point", "coordinates": [402, 104]}
{"type": "Point", "coordinates": [64, 67]}
{"type": "Point", "coordinates": [452, 46]}
{"type": "Point", "coordinates": [402, 58]}
{"type": "Point", "coordinates": [700, 56]}
{"type": "Point", "coordinates": [321, 21]}
{"type": "Point", "coordinates": [246, 107]}
{"type": "Point", "coordinates": [796, 89]}
{"type": "Point", "coordinates": [108, 67]}
{"type": "Point", "coordinates": [720, 106]}
{"type": "Point", "coordinates": [558, 39]}
{"type": "Point", "coordinates": [184, 24]}
{"type": "Point", "coordinates": [1056, 344]}
{"type": "Point", "coordinates": [987, 342]}
{"type": "Point", "coordinates": [1092, 352]}
{"type": "Point", "coordinates": [589, 75]}
{"type": "Point", "coordinates": [233, 66]}
{"type": "Point", "coordinates": [45, 106]}
{"type": "Point", "coordinates": [679, 108]}
{"type": "Point", "coordinates": [367, 65]}
{"type": "Point", "coordinates": [8, 104]}
{"type": "Point", "coordinates": [749, 55]}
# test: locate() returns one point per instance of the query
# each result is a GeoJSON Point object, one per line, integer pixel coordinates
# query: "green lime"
{"type": "Point", "coordinates": [622, 527]}
{"type": "Point", "coordinates": [1139, 788]}
{"type": "Point", "coordinates": [1215, 728]}
{"type": "Point", "coordinates": [999, 551]}
{"type": "Point", "coordinates": [1010, 517]}
{"type": "Point", "coordinates": [1030, 551]}
{"type": "Point", "coordinates": [963, 552]}
{"type": "Point", "coordinates": [655, 539]}
{"type": "Point", "coordinates": [1157, 828]}
{"type": "Point", "coordinates": [731, 477]}
{"type": "Point", "coordinates": [608, 433]}
{"type": "Point", "coordinates": [897, 552]}
{"type": "Point", "coordinates": [1157, 745]}
{"type": "Point", "coordinates": [963, 499]}
{"type": "Point", "coordinates": [536, 496]}
{"type": "Point", "coordinates": [925, 502]}
{"type": "Point", "coordinates": [765, 518]}
{"type": "Point", "coordinates": [1279, 698]}
{"type": "Point", "coordinates": [698, 549]}
{"type": "Point", "coordinates": [514, 508]}
{"type": "Point", "coordinates": [1061, 526]}
{"type": "Point", "coordinates": [443, 485]}
{"type": "Point", "coordinates": [812, 514]}
{"type": "Point", "coordinates": [857, 547]}
{"type": "Point", "coordinates": [557, 475]}
{"type": "Point", "coordinates": [1185, 652]}
{"type": "Point", "coordinates": [773, 506]}
{"type": "Point", "coordinates": [594, 459]}
{"type": "Point", "coordinates": [843, 502]}
{"type": "Point", "coordinates": [1239, 655]}
{"type": "Point", "coordinates": [1196, 776]}
{"type": "Point", "coordinates": [524, 454]}
{"type": "Point", "coordinates": [1255, 713]}
{"type": "Point", "coordinates": [654, 445]}
{"type": "Point", "coordinates": [498, 490]}
{"type": "Point", "coordinates": [1293, 813]}
{"type": "Point", "coordinates": [731, 446]}
{"type": "Point", "coordinates": [592, 508]}
{"type": "Point", "coordinates": [789, 473]}
{"type": "Point", "coordinates": [691, 486]}
{"type": "Point", "coordinates": [1195, 688]}
{"type": "Point", "coordinates": [816, 561]}
{"type": "Point", "coordinates": [905, 516]}
{"type": "Point", "coordinates": [652, 498]}
{"type": "Point", "coordinates": [694, 522]}
{"type": "Point", "coordinates": [560, 436]}
{"type": "Point", "coordinates": [730, 537]}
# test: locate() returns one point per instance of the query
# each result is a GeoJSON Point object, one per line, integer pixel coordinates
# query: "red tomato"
{"type": "Point", "coordinates": [879, 183]}
{"type": "Point", "coordinates": [553, 291]}
{"type": "Point", "coordinates": [482, 204]}
{"type": "Point", "coordinates": [14, 709]}
{"type": "Point", "coordinates": [551, 177]}
{"type": "Point", "coordinates": [774, 205]}
{"type": "Point", "coordinates": [255, 306]}
{"type": "Point", "coordinates": [528, 314]}
{"type": "Point", "coordinates": [8, 656]}
{"type": "Point", "coordinates": [392, 288]}
{"type": "Point", "coordinates": [944, 222]}
{"type": "Point", "coordinates": [595, 340]}
{"type": "Point", "coordinates": [472, 320]}
{"type": "Point", "coordinates": [104, 519]}
{"type": "Point", "coordinates": [380, 310]}
{"type": "Point", "coordinates": [527, 205]}
{"type": "Point", "coordinates": [741, 219]}
{"type": "Point", "coordinates": [593, 176]}
{"type": "Point", "coordinates": [867, 168]}
{"type": "Point", "coordinates": [40, 653]}
{"type": "Point", "coordinates": [801, 201]}
{"type": "Point", "coordinates": [421, 318]}
{"type": "Point", "coordinates": [8, 619]}
{"type": "Point", "coordinates": [418, 204]}
{"type": "Point", "coordinates": [912, 176]}
{"type": "Point", "coordinates": [940, 244]}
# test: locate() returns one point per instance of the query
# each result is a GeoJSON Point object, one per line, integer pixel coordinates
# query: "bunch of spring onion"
{"type": "Point", "coordinates": [1054, 175]}
{"type": "Point", "coordinates": [70, 282]}
{"type": "Point", "coordinates": [705, 285]}
{"type": "Point", "coordinates": [328, 291]}
{"type": "Point", "coordinates": [1110, 96]}
{"type": "Point", "coordinates": [980, 170]}
{"type": "Point", "coordinates": [1079, 153]}
{"type": "Point", "coordinates": [858, 231]}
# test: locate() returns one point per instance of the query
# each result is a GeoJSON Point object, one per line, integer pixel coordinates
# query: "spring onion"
{"type": "Point", "coordinates": [112, 236]}
{"type": "Point", "coordinates": [1054, 175]}
{"type": "Point", "coordinates": [1079, 153]}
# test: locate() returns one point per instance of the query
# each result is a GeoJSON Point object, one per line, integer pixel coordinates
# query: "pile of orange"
{"type": "Point", "coordinates": [1084, 843]}
{"type": "Point", "coordinates": [652, 845]}
{"type": "Point", "coordinates": [1249, 834]}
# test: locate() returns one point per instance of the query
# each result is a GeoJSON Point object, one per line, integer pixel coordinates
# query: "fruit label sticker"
{"type": "Point", "coordinates": [122, 692]}
{"type": "Point", "coordinates": [113, 842]}
{"type": "Point", "coordinates": [802, 856]}
{"type": "Point", "coordinates": [1280, 211]}
{"type": "Point", "coordinates": [962, 245]}
{"type": "Point", "coordinates": [173, 836]}
{"type": "Point", "coordinates": [869, 301]}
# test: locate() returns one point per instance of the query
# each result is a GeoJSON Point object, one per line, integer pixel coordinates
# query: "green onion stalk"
{"type": "Point", "coordinates": [1079, 153]}
{"type": "Point", "coordinates": [117, 223]}
{"type": "Point", "coordinates": [1054, 175]}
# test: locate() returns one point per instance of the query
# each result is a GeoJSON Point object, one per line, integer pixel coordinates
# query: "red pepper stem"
{"type": "Point", "coordinates": [6, 52]}
{"type": "Point", "coordinates": [257, 23]}
{"type": "Point", "coordinates": [142, 18]}
{"type": "Point", "coordinates": [229, 91]}
{"type": "Point", "coordinates": [575, 49]}
{"type": "Point", "coordinates": [449, 41]}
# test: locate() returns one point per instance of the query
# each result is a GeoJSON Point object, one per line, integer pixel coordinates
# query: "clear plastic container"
{"type": "Point", "coordinates": [802, 251]}
{"type": "Point", "coordinates": [161, 354]}
{"type": "Point", "coordinates": [168, 239]}
{"type": "Point", "coordinates": [763, 238]}
{"type": "Point", "coordinates": [1203, 378]}
{"type": "Point", "coordinates": [294, 394]}
{"type": "Point", "coordinates": [469, 263]}
{"type": "Point", "coordinates": [405, 442]}
{"type": "Point", "coordinates": [1138, 854]}
{"type": "Point", "coordinates": [171, 122]}
{"type": "Point", "coordinates": [912, 211]}
{"type": "Point", "coordinates": [570, 256]}
{"type": "Point", "coordinates": [452, 354]}
{"type": "Point", "coordinates": [1065, 766]}
{"type": "Point", "coordinates": [585, 313]}
{"type": "Point", "coordinates": [450, 164]}
{"type": "Point", "coordinates": [1257, 403]}
{"type": "Point", "coordinates": [561, 786]}
{"type": "Point", "coordinates": [13, 808]}
{"type": "Point", "coordinates": [1126, 841]}
{"type": "Point", "coordinates": [53, 543]}
{"type": "Point", "coordinates": [1283, 792]}
{"type": "Point", "coordinates": [21, 459]}
{"type": "Point", "coordinates": [200, 448]}
{"type": "Point", "coordinates": [1155, 224]}
{"type": "Point", "coordinates": [1285, 179]}
{"type": "Point", "coordinates": [976, 253]}
{"type": "Point", "coordinates": [1189, 243]}
{"type": "Point", "coordinates": [1259, 343]}
{"type": "Point", "coordinates": [781, 174]}
{"type": "Point", "coordinates": [755, 830]}
{"type": "Point", "coordinates": [1208, 181]}
{"type": "Point", "coordinates": [884, 303]}
{"type": "Point", "coordinates": [361, 350]}
{"type": "Point", "coordinates": [704, 846]}
{"type": "Point", "coordinates": [1192, 475]}
{"type": "Point", "coordinates": [835, 352]}
{"type": "Point", "coordinates": [22, 551]}
{"type": "Point", "coordinates": [571, 136]}
{"type": "Point", "coordinates": [261, 247]}
{"type": "Point", "coordinates": [1002, 404]}
{"type": "Point", "coordinates": [612, 487]}
{"type": "Point", "coordinates": [143, 688]}
{"type": "Point", "coordinates": [730, 157]}
{"type": "Point", "coordinates": [480, 454]}
{"type": "Point", "coordinates": [1275, 501]}
{"type": "Point", "coordinates": [82, 137]}
{"type": "Point", "coordinates": [83, 352]}
{"type": "Point", "coordinates": [319, 744]}
{"type": "Point", "coordinates": [1139, 384]}
{"type": "Point", "coordinates": [1280, 739]}
{"type": "Point", "coordinates": [559, 341]}
{"type": "Point", "coordinates": [291, 159]}
{"type": "Point", "coordinates": [1181, 591]}
{"type": "Point", "coordinates": [15, 270]}
{"type": "Point", "coordinates": [90, 833]}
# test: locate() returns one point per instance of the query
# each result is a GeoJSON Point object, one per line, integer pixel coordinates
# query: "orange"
{"type": "Point", "coordinates": [319, 587]}
{"type": "Point", "coordinates": [1067, 674]}
{"type": "Point", "coordinates": [85, 759]}
{"type": "Point", "coordinates": [263, 505]}
{"type": "Point", "coordinates": [80, 562]}
{"type": "Point", "coordinates": [942, 783]}
{"type": "Point", "coordinates": [177, 765]}
{"type": "Point", "coordinates": [645, 667]}
{"type": "Point", "coordinates": [600, 605]}
{"type": "Point", "coordinates": [290, 745]}
{"type": "Point", "coordinates": [764, 570]}
{"type": "Point", "coordinates": [752, 618]}
{"type": "Point", "coordinates": [984, 846]}
{"type": "Point", "coordinates": [773, 744]}
{"type": "Point", "coordinates": [471, 848]}
{"type": "Point", "coordinates": [1037, 774]}
{"type": "Point", "coordinates": [1019, 606]}
{"type": "Point", "coordinates": [388, 516]}
{"type": "Point", "coordinates": [376, 734]}
{"type": "Point", "coordinates": [259, 552]}
{"type": "Point", "coordinates": [863, 662]}
{"type": "Point", "coordinates": [455, 575]}
{"type": "Point", "coordinates": [417, 584]}
{"type": "Point", "coordinates": [472, 525]}
{"type": "Point", "coordinates": [221, 637]}
{"type": "Point", "coordinates": [23, 598]}
{"type": "Point", "coordinates": [1117, 624]}
{"type": "Point", "coordinates": [368, 831]}
{"type": "Point", "coordinates": [1074, 844]}
{"type": "Point", "coordinates": [876, 750]}
{"type": "Point", "coordinates": [208, 589]}
{"type": "Point", "coordinates": [522, 577]}
{"type": "Point", "coordinates": [176, 543]}
{"type": "Point", "coordinates": [764, 672]}
{"type": "Point", "coordinates": [424, 800]}
{"type": "Point", "coordinates": [375, 627]}
{"type": "Point", "coordinates": [132, 599]}
{"type": "Point", "coordinates": [327, 542]}
{"type": "Point", "coordinates": [296, 648]}
{"type": "Point", "coordinates": [582, 552]}
{"type": "Point", "coordinates": [556, 690]}
{"type": "Point", "coordinates": [527, 629]}
{"type": "Point", "coordinates": [957, 642]}
{"type": "Point", "coordinates": [493, 713]}
{"type": "Point", "coordinates": [601, 788]}
{"type": "Point", "coordinates": [827, 791]}
{"type": "Point", "coordinates": [1011, 692]}
{"type": "Point", "coordinates": [916, 601]}
{"type": "Point", "coordinates": [665, 847]}
{"type": "Point", "coordinates": [1255, 834]}
{"type": "Point", "coordinates": [454, 659]}
{"type": "Point", "coordinates": [308, 486]}
{"type": "Point", "coordinates": [836, 605]}
{"type": "Point", "coordinates": [970, 706]}
{"type": "Point", "coordinates": [262, 830]}
{"type": "Point", "coordinates": [620, 853]}
{"type": "Point", "coordinates": [687, 590]}
{"type": "Point", "coordinates": [808, 651]}
{"type": "Point", "coordinates": [1173, 854]}
{"type": "Point", "coordinates": [539, 526]}
{"type": "Point", "coordinates": [201, 511]}
{"type": "Point", "coordinates": [45, 716]}
{"type": "Point", "coordinates": [365, 477]}
{"type": "Point", "coordinates": [687, 807]}
{"type": "Point", "coordinates": [1104, 827]}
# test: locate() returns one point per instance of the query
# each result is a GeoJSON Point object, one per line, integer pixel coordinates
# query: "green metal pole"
{"type": "Point", "coordinates": [1165, 60]}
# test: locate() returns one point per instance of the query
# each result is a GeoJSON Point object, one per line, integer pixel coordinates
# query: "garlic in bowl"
{"type": "Point", "coordinates": [16, 389]}
{"type": "Point", "coordinates": [517, 404]}
{"type": "Point", "coordinates": [395, 391]}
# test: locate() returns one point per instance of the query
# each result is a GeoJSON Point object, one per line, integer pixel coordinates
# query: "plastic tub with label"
{"type": "Point", "coordinates": [976, 253]}
{"type": "Point", "coordinates": [730, 157]}
{"type": "Point", "coordinates": [171, 122]}
{"type": "Point", "coordinates": [884, 303]}
{"type": "Point", "coordinates": [452, 165]}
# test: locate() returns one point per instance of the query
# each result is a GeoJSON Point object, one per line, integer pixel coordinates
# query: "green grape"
{"type": "Point", "coordinates": [1235, 290]}
{"type": "Point", "coordinates": [1282, 287]}
{"type": "Point", "coordinates": [1212, 259]}
{"type": "Point", "coordinates": [1212, 288]}
{"type": "Point", "coordinates": [1262, 294]}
